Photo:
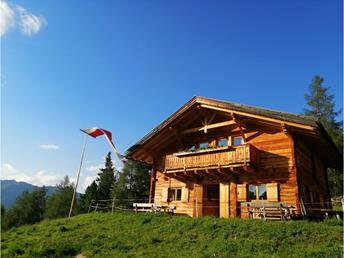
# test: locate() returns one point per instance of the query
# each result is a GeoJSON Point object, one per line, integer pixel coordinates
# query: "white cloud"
{"type": "Point", "coordinates": [39, 178]}
{"type": "Point", "coordinates": [7, 17]}
{"type": "Point", "coordinates": [94, 168]}
{"type": "Point", "coordinates": [12, 16]}
{"type": "Point", "coordinates": [49, 147]}
{"type": "Point", "coordinates": [42, 177]}
{"type": "Point", "coordinates": [30, 24]}
{"type": "Point", "coordinates": [88, 180]}
{"type": "Point", "coordinates": [7, 169]}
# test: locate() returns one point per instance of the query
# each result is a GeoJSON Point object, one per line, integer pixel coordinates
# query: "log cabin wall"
{"type": "Point", "coordinates": [313, 183]}
{"type": "Point", "coordinates": [275, 169]}
{"type": "Point", "coordinates": [183, 206]}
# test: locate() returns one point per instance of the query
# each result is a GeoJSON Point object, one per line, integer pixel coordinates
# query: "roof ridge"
{"type": "Point", "coordinates": [257, 107]}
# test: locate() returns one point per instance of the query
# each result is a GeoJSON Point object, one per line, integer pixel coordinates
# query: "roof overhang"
{"type": "Point", "coordinates": [301, 124]}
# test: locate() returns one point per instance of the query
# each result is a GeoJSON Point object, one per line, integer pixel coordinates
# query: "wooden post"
{"type": "Point", "coordinates": [96, 207]}
{"type": "Point", "coordinates": [89, 207]}
{"type": "Point", "coordinates": [224, 200]}
{"type": "Point", "coordinates": [152, 186]}
{"type": "Point", "coordinates": [113, 204]}
{"type": "Point", "coordinates": [198, 196]}
{"type": "Point", "coordinates": [196, 207]}
{"type": "Point", "coordinates": [233, 199]}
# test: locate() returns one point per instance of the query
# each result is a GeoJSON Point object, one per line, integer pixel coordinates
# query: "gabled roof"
{"type": "Point", "coordinates": [297, 120]}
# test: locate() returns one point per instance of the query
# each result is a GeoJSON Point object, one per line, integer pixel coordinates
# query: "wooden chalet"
{"type": "Point", "coordinates": [215, 158]}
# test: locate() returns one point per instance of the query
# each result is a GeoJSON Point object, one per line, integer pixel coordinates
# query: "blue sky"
{"type": "Point", "coordinates": [127, 65]}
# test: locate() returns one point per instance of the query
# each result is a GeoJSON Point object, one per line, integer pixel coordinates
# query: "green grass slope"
{"type": "Point", "coordinates": [157, 235]}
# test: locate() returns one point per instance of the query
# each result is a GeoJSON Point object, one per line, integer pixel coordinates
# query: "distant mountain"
{"type": "Point", "coordinates": [11, 189]}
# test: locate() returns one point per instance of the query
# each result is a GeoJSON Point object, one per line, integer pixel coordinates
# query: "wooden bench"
{"type": "Point", "coordinates": [143, 207]}
{"type": "Point", "coordinates": [269, 210]}
{"type": "Point", "coordinates": [151, 207]}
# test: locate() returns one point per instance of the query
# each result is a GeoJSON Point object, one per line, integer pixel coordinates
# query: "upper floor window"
{"type": "Point", "coordinates": [222, 142]}
{"type": "Point", "coordinates": [192, 148]}
{"type": "Point", "coordinates": [238, 140]}
{"type": "Point", "coordinates": [204, 145]}
{"type": "Point", "coordinates": [257, 192]}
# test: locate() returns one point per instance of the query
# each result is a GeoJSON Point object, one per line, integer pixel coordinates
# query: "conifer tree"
{"type": "Point", "coordinates": [101, 187]}
{"type": "Point", "coordinates": [133, 184]}
{"type": "Point", "coordinates": [321, 105]}
{"type": "Point", "coordinates": [89, 195]}
{"type": "Point", "coordinates": [27, 209]}
{"type": "Point", "coordinates": [58, 204]}
{"type": "Point", "coordinates": [106, 179]}
{"type": "Point", "coordinates": [3, 213]}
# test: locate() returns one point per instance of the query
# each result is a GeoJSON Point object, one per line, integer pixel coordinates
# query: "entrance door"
{"type": "Point", "coordinates": [211, 200]}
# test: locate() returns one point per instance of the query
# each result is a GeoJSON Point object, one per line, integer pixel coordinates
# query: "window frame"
{"type": "Point", "coordinates": [173, 194]}
{"type": "Point", "coordinates": [236, 137]}
{"type": "Point", "coordinates": [203, 148]}
{"type": "Point", "coordinates": [257, 193]}
{"type": "Point", "coordinates": [222, 139]}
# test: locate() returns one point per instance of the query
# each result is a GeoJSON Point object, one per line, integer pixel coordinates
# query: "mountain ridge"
{"type": "Point", "coordinates": [12, 189]}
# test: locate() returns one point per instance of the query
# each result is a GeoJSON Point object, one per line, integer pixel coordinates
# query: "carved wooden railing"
{"type": "Point", "coordinates": [243, 155]}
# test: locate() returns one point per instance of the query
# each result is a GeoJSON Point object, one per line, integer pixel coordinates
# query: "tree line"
{"type": "Point", "coordinates": [133, 183]}
{"type": "Point", "coordinates": [32, 207]}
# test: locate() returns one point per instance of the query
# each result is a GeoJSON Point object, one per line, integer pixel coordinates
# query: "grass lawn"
{"type": "Point", "coordinates": [158, 235]}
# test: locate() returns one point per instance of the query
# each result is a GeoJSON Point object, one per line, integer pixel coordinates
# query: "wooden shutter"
{"type": "Point", "coordinates": [242, 192]}
{"type": "Point", "coordinates": [164, 194]}
{"type": "Point", "coordinates": [272, 192]}
{"type": "Point", "coordinates": [185, 194]}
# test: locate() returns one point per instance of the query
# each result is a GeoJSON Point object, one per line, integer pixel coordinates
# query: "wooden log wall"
{"type": "Point", "coordinates": [275, 165]}
{"type": "Point", "coordinates": [162, 183]}
{"type": "Point", "coordinates": [313, 178]}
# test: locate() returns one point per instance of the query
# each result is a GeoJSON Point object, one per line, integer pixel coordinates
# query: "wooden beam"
{"type": "Point", "coordinates": [248, 169]}
{"type": "Point", "coordinates": [211, 126]}
{"type": "Point", "coordinates": [307, 127]}
{"type": "Point", "coordinates": [239, 124]}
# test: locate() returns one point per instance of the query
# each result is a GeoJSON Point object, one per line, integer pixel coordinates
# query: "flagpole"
{"type": "Point", "coordinates": [77, 180]}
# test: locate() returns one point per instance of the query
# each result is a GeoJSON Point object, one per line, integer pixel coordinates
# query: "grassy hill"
{"type": "Point", "coordinates": [157, 235]}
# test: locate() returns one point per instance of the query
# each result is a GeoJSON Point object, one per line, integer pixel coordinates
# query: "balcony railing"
{"type": "Point", "coordinates": [243, 155]}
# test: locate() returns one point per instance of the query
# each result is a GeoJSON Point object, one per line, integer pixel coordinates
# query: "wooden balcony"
{"type": "Point", "coordinates": [222, 157]}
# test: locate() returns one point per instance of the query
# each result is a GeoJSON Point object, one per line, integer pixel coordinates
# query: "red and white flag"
{"type": "Point", "coordinates": [95, 132]}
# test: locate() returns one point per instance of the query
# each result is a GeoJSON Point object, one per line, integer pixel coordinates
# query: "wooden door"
{"type": "Point", "coordinates": [211, 200]}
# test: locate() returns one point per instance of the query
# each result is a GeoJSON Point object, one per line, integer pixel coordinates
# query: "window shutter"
{"type": "Point", "coordinates": [242, 192]}
{"type": "Point", "coordinates": [185, 194]}
{"type": "Point", "coordinates": [272, 192]}
{"type": "Point", "coordinates": [164, 195]}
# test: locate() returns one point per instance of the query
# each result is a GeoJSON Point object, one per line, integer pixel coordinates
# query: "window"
{"type": "Point", "coordinates": [175, 194]}
{"type": "Point", "coordinates": [222, 142]}
{"type": "Point", "coordinates": [262, 192]}
{"type": "Point", "coordinates": [192, 148]}
{"type": "Point", "coordinates": [238, 140]}
{"type": "Point", "coordinates": [257, 192]}
{"type": "Point", "coordinates": [252, 192]}
{"type": "Point", "coordinates": [203, 145]}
